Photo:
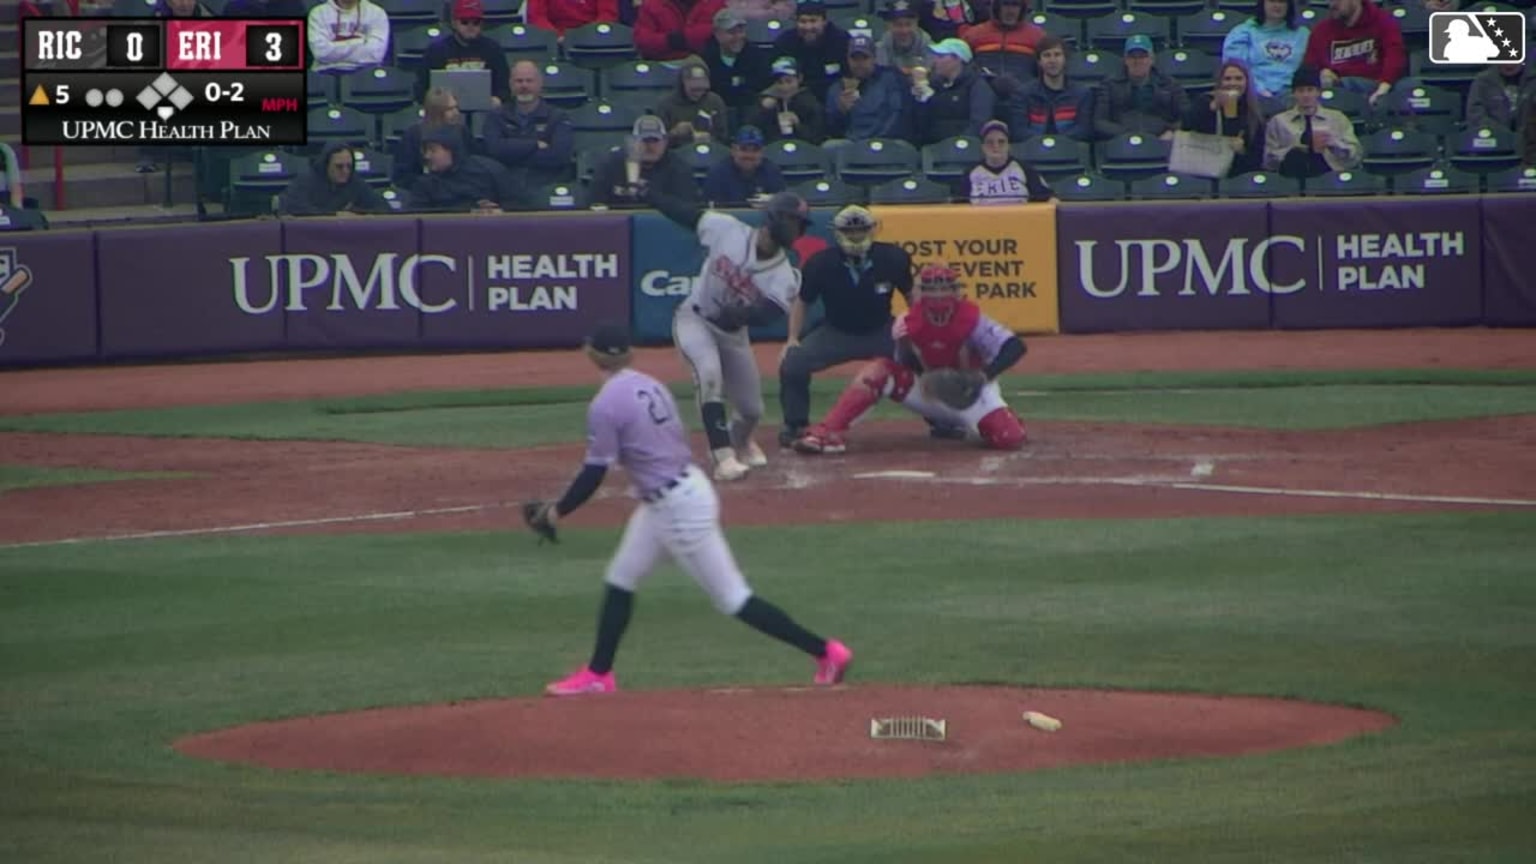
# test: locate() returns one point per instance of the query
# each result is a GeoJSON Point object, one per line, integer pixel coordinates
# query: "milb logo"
{"type": "Point", "coordinates": [1471, 38]}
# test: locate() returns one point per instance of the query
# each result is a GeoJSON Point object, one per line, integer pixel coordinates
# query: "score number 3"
{"type": "Point", "coordinates": [274, 47]}
{"type": "Point", "coordinates": [269, 45]}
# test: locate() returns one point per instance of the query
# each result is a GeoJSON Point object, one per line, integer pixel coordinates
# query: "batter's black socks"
{"type": "Point", "coordinates": [715, 425]}
{"type": "Point", "coordinates": [612, 621]}
{"type": "Point", "coordinates": [767, 618]}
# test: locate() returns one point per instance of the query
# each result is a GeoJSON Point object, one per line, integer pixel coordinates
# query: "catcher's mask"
{"type": "Point", "coordinates": [938, 290]}
{"type": "Point", "coordinates": [854, 228]}
{"type": "Point", "coordinates": [786, 217]}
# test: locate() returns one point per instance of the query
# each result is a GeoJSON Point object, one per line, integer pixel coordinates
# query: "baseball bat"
{"type": "Point", "coordinates": [17, 283]}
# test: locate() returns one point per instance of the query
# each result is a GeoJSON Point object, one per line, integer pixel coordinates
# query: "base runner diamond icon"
{"type": "Point", "coordinates": [165, 87]}
{"type": "Point", "coordinates": [1475, 38]}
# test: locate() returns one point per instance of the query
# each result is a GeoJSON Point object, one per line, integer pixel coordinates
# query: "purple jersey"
{"type": "Point", "coordinates": [633, 421]}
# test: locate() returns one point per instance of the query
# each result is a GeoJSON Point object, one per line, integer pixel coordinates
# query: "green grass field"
{"type": "Point", "coordinates": [111, 651]}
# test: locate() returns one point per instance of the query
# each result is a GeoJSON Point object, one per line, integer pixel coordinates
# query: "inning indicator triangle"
{"type": "Point", "coordinates": [38, 97]}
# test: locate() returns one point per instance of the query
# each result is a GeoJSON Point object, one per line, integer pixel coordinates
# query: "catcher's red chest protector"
{"type": "Point", "coordinates": [939, 347]}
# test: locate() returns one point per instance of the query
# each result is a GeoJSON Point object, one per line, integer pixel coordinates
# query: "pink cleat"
{"type": "Point", "coordinates": [831, 667]}
{"type": "Point", "coordinates": [582, 683]}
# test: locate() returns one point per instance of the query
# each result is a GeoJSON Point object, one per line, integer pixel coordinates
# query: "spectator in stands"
{"type": "Point", "coordinates": [1143, 99]}
{"type": "Point", "coordinates": [331, 188]}
{"type": "Point", "coordinates": [293, 10]}
{"type": "Point", "coordinates": [943, 19]}
{"type": "Point", "coordinates": [1000, 178]}
{"type": "Point", "coordinates": [1231, 110]}
{"type": "Point", "coordinates": [819, 46]}
{"type": "Point", "coordinates": [458, 181]}
{"type": "Point", "coordinates": [1500, 96]}
{"type": "Point", "coordinates": [440, 109]}
{"type": "Point", "coordinates": [1310, 140]}
{"type": "Point", "coordinates": [738, 69]}
{"type": "Point", "coordinates": [674, 29]}
{"type": "Point", "coordinates": [787, 109]}
{"type": "Point", "coordinates": [345, 35]}
{"type": "Point", "coordinates": [1270, 46]}
{"type": "Point", "coordinates": [181, 9]}
{"type": "Point", "coordinates": [533, 139]}
{"type": "Point", "coordinates": [870, 101]}
{"type": "Point", "coordinates": [658, 168]}
{"type": "Point", "coordinates": [692, 112]}
{"type": "Point", "coordinates": [904, 45]}
{"type": "Point", "coordinates": [1050, 104]}
{"type": "Point", "coordinates": [13, 192]}
{"type": "Point", "coordinates": [1007, 43]}
{"type": "Point", "coordinates": [763, 10]}
{"type": "Point", "coordinates": [563, 15]}
{"type": "Point", "coordinates": [955, 100]}
{"type": "Point", "coordinates": [465, 47]}
{"type": "Point", "coordinates": [1358, 47]}
{"type": "Point", "coordinates": [744, 175]}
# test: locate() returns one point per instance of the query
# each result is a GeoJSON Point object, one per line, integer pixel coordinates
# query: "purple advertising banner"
{"type": "Point", "coordinates": [1509, 260]}
{"type": "Point", "coordinates": [1163, 266]}
{"type": "Point", "coordinates": [522, 282]}
{"type": "Point", "coordinates": [349, 282]}
{"type": "Point", "coordinates": [188, 289]}
{"type": "Point", "coordinates": [47, 296]}
{"type": "Point", "coordinates": [1377, 262]}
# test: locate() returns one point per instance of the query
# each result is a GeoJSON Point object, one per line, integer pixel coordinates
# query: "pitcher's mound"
{"type": "Point", "coordinates": [780, 734]}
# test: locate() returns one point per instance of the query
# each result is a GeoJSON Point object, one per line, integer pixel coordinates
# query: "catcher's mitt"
{"type": "Point", "coordinates": [957, 388]}
{"type": "Point", "coordinates": [536, 514]}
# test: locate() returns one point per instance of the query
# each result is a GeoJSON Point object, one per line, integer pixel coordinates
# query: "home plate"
{"type": "Point", "coordinates": [895, 475]}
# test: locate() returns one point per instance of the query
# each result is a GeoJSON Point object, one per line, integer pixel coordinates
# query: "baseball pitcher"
{"type": "Point", "coordinates": [945, 367]}
{"type": "Point", "coordinates": [634, 423]}
{"type": "Point", "coordinates": [747, 281]}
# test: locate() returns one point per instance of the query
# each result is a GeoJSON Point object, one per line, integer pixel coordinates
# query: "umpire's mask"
{"type": "Point", "coordinates": [854, 228]}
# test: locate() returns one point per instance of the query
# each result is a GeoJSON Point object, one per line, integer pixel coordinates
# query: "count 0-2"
{"type": "Point", "coordinates": [234, 92]}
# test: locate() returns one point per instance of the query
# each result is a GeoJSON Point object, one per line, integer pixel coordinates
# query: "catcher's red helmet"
{"type": "Point", "coordinates": [938, 290]}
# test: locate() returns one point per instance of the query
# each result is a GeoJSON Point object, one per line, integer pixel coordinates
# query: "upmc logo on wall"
{"type": "Point", "coordinates": [1252, 264]}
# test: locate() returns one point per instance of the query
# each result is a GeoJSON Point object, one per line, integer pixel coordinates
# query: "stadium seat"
{"type": "Point", "coordinates": [1167, 8]}
{"type": "Point", "coordinates": [1131, 156]}
{"type": "Point", "coordinates": [798, 161]}
{"type": "Point", "coordinates": [1413, 20]}
{"type": "Point", "coordinates": [1343, 184]}
{"type": "Point", "coordinates": [599, 115]}
{"type": "Point", "coordinates": [700, 156]}
{"type": "Point", "coordinates": [133, 8]}
{"type": "Point", "coordinates": [910, 190]}
{"type": "Point", "coordinates": [836, 6]}
{"type": "Point", "coordinates": [763, 31]}
{"type": "Point", "coordinates": [1090, 67]}
{"type": "Point", "coordinates": [1398, 151]}
{"type": "Point", "coordinates": [560, 196]}
{"type": "Point", "coordinates": [1434, 110]}
{"type": "Point", "coordinates": [321, 90]}
{"type": "Point", "coordinates": [828, 193]}
{"type": "Point", "coordinates": [337, 123]}
{"type": "Point", "coordinates": [1084, 8]}
{"type": "Point", "coordinates": [255, 178]}
{"type": "Point", "coordinates": [648, 77]}
{"type": "Point", "coordinates": [1259, 184]}
{"type": "Point", "coordinates": [1458, 78]}
{"type": "Point", "coordinates": [1053, 155]}
{"type": "Point", "coordinates": [1067, 29]}
{"type": "Point", "coordinates": [1207, 31]}
{"type": "Point", "coordinates": [1436, 180]}
{"type": "Point", "coordinates": [408, 12]}
{"type": "Point", "coordinates": [378, 91]}
{"type": "Point", "coordinates": [587, 161]}
{"type": "Point", "coordinates": [1170, 187]}
{"type": "Point", "coordinates": [1515, 179]}
{"type": "Point", "coordinates": [1088, 187]}
{"type": "Point", "coordinates": [1108, 33]}
{"type": "Point", "coordinates": [498, 12]}
{"type": "Point", "coordinates": [522, 42]}
{"type": "Point", "coordinates": [947, 160]}
{"type": "Point", "coordinates": [856, 21]}
{"type": "Point", "coordinates": [1242, 7]}
{"type": "Point", "coordinates": [1349, 103]}
{"type": "Point", "coordinates": [876, 161]}
{"type": "Point", "coordinates": [392, 126]}
{"type": "Point", "coordinates": [394, 198]}
{"type": "Point", "coordinates": [1194, 69]}
{"type": "Point", "coordinates": [567, 85]}
{"type": "Point", "coordinates": [1482, 151]}
{"type": "Point", "coordinates": [373, 167]}
{"type": "Point", "coordinates": [411, 45]}
{"type": "Point", "coordinates": [600, 45]}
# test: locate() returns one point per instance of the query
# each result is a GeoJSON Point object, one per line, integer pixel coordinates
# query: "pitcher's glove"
{"type": "Point", "coordinates": [540, 517]}
{"type": "Point", "coordinates": [957, 388]}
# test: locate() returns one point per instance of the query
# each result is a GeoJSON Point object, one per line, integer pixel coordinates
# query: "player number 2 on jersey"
{"type": "Point", "coordinates": [655, 405]}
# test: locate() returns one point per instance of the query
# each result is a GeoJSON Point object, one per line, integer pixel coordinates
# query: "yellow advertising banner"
{"type": "Point", "coordinates": [1005, 255]}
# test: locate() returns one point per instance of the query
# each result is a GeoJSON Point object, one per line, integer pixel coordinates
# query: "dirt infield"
{"type": "Point", "coordinates": [1070, 470]}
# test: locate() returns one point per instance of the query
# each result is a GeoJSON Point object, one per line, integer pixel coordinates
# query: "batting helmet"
{"type": "Point", "coordinates": [854, 228]}
{"type": "Point", "coordinates": [786, 216]}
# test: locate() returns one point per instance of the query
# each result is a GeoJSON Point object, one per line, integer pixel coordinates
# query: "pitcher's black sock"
{"type": "Point", "coordinates": [611, 623]}
{"type": "Point", "coordinates": [715, 425]}
{"type": "Point", "coordinates": [767, 618]}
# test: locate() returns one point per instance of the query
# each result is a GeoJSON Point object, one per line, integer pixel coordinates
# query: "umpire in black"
{"type": "Point", "coordinates": [854, 279]}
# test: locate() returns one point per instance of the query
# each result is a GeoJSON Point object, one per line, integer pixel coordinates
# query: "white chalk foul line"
{"type": "Point", "coordinates": [1359, 495]}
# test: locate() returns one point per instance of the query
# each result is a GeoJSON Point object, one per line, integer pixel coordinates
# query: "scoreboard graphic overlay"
{"type": "Point", "coordinates": [203, 81]}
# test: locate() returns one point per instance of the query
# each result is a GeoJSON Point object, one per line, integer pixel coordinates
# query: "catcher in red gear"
{"type": "Point", "coordinates": [947, 360]}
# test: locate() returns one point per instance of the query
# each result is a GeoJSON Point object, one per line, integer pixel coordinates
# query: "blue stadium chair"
{"type": "Point", "coordinates": [1194, 69]}
{"type": "Point", "coordinates": [1171, 187]}
{"type": "Point", "coordinates": [383, 90]}
{"type": "Point", "coordinates": [1413, 20]}
{"type": "Point", "coordinates": [1348, 102]}
{"type": "Point", "coordinates": [1132, 156]}
{"type": "Point", "coordinates": [133, 8]}
{"type": "Point", "coordinates": [1439, 179]}
{"type": "Point", "coordinates": [587, 161]}
{"type": "Point", "coordinates": [1344, 184]}
{"type": "Point", "coordinates": [1108, 33]}
{"type": "Point", "coordinates": [798, 161]}
{"type": "Point", "coordinates": [338, 123]}
{"type": "Point", "coordinates": [763, 31]}
{"type": "Point", "coordinates": [411, 12]}
{"type": "Point", "coordinates": [499, 12]}
{"type": "Point", "coordinates": [1053, 155]}
{"type": "Point", "coordinates": [393, 126]}
{"type": "Point", "coordinates": [599, 115]}
{"type": "Point", "coordinates": [561, 196]}
{"type": "Point", "coordinates": [1398, 151]}
{"type": "Point", "coordinates": [567, 85]}
{"type": "Point", "coordinates": [411, 45]}
{"type": "Point", "coordinates": [828, 193]}
{"type": "Point", "coordinates": [600, 45]}
{"type": "Point", "coordinates": [372, 166]}
{"type": "Point", "coordinates": [1207, 31]}
{"type": "Point", "coordinates": [1259, 184]}
{"type": "Point", "coordinates": [857, 21]}
{"type": "Point", "coordinates": [1088, 187]}
{"type": "Point", "coordinates": [1166, 8]}
{"type": "Point", "coordinates": [256, 178]}
{"type": "Point", "coordinates": [654, 80]}
{"type": "Point", "coordinates": [1513, 180]}
{"type": "Point", "coordinates": [320, 90]}
{"type": "Point", "coordinates": [866, 163]}
{"type": "Point", "coordinates": [1434, 110]}
{"type": "Point", "coordinates": [1091, 67]}
{"type": "Point", "coordinates": [394, 198]}
{"type": "Point", "coordinates": [911, 190]}
{"type": "Point", "coordinates": [700, 156]}
{"type": "Point", "coordinates": [1084, 8]}
{"type": "Point", "coordinates": [524, 42]}
{"type": "Point", "coordinates": [1483, 151]}
{"type": "Point", "coordinates": [1069, 30]}
{"type": "Point", "coordinates": [945, 161]}
{"type": "Point", "coordinates": [1458, 78]}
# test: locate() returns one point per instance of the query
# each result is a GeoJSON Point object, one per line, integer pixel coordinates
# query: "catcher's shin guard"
{"type": "Point", "coordinates": [1002, 430]}
{"type": "Point", "coordinates": [879, 378]}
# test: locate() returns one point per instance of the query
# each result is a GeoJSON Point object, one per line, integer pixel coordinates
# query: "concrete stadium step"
{"type": "Point", "coordinates": [106, 217]}
{"type": "Point", "coordinates": [110, 185]}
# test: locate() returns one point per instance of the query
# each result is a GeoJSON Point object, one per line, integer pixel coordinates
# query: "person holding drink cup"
{"type": "Point", "coordinates": [870, 100]}
{"type": "Point", "coordinates": [643, 164]}
{"type": "Point", "coordinates": [787, 111]}
{"type": "Point", "coordinates": [1310, 140]}
{"type": "Point", "coordinates": [1232, 111]}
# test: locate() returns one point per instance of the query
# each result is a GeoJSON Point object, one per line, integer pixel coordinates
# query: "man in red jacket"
{"type": "Point", "coordinates": [563, 15]}
{"type": "Point", "coordinates": [1358, 47]}
{"type": "Point", "coordinates": [674, 29]}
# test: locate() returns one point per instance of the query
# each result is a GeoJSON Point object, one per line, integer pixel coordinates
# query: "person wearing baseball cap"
{"type": "Point", "coordinates": [694, 113]}
{"type": "Point", "coordinates": [658, 169]}
{"type": "Point", "coordinates": [819, 46]}
{"type": "Point", "coordinates": [1310, 140]}
{"type": "Point", "coordinates": [464, 46]}
{"type": "Point", "coordinates": [904, 46]}
{"type": "Point", "coordinates": [745, 175]}
{"type": "Point", "coordinates": [870, 101]}
{"type": "Point", "coordinates": [956, 100]}
{"type": "Point", "coordinates": [787, 110]}
{"type": "Point", "coordinates": [1141, 99]}
{"type": "Point", "coordinates": [674, 29]}
{"type": "Point", "coordinates": [999, 178]}
{"type": "Point", "coordinates": [1008, 40]}
{"type": "Point", "coordinates": [738, 69]}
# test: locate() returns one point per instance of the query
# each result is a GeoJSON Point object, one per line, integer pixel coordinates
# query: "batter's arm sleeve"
{"type": "Point", "coordinates": [680, 210]}
{"type": "Point", "coordinates": [1008, 354]}
{"type": "Point", "coordinates": [586, 482]}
